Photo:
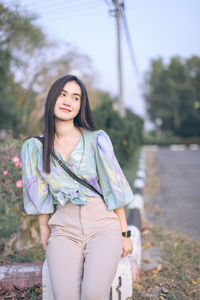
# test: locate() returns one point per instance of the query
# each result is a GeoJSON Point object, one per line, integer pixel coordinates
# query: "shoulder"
{"type": "Point", "coordinates": [31, 144]}
{"type": "Point", "coordinates": [102, 141]}
{"type": "Point", "coordinates": [100, 135]}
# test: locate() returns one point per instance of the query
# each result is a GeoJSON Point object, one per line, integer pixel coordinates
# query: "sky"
{"type": "Point", "coordinates": [157, 29]}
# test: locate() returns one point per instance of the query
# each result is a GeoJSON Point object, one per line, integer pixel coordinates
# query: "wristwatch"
{"type": "Point", "coordinates": [126, 233]}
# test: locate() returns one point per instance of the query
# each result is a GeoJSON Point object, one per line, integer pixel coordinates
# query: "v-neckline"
{"type": "Point", "coordinates": [75, 148]}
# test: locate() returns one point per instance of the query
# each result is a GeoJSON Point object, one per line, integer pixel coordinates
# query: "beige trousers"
{"type": "Point", "coordinates": [83, 251]}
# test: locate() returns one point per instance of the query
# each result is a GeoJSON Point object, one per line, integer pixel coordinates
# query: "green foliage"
{"type": "Point", "coordinates": [18, 39]}
{"type": "Point", "coordinates": [173, 94]}
{"type": "Point", "coordinates": [18, 34]}
{"type": "Point", "coordinates": [11, 205]}
{"type": "Point", "coordinates": [35, 254]}
{"type": "Point", "coordinates": [125, 133]}
{"type": "Point", "coordinates": [25, 75]}
{"type": "Point", "coordinates": [152, 139]}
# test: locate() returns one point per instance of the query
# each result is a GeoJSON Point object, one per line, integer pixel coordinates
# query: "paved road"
{"type": "Point", "coordinates": [179, 197]}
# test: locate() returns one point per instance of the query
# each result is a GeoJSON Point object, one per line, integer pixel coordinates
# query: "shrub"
{"type": "Point", "coordinates": [125, 133]}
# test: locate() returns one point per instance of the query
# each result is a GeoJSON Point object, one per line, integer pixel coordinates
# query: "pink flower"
{"type": "Point", "coordinates": [19, 183]}
{"type": "Point", "coordinates": [5, 172]}
{"type": "Point", "coordinates": [16, 159]}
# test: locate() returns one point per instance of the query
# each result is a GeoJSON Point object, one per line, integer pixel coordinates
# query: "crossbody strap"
{"type": "Point", "coordinates": [74, 176]}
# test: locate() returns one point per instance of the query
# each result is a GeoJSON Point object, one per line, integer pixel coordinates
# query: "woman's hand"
{"type": "Point", "coordinates": [127, 246]}
{"type": "Point", "coordinates": [127, 242]}
{"type": "Point", "coordinates": [44, 235]}
{"type": "Point", "coordinates": [44, 229]}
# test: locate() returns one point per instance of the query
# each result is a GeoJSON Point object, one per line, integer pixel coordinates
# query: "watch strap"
{"type": "Point", "coordinates": [126, 233]}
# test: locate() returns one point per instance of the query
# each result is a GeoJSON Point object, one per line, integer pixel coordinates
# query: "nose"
{"type": "Point", "coordinates": [66, 100]}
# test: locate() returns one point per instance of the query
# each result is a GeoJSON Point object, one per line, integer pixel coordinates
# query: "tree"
{"type": "Point", "coordinates": [125, 133]}
{"type": "Point", "coordinates": [37, 77]}
{"type": "Point", "coordinates": [172, 94]}
{"type": "Point", "coordinates": [27, 72]}
{"type": "Point", "coordinates": [18, 37]}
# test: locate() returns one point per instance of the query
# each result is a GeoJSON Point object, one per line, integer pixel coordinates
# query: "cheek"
{"type": "Point", "coordinates": [78, 105]}
{"type": "Point", "coordinates": [56, 106]}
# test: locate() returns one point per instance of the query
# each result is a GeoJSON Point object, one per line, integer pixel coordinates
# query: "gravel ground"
{"type": "Point", "coordinates": [177, 203]}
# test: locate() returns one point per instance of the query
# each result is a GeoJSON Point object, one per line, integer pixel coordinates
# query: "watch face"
{"type": "Point", "coordinates": [129, 233]}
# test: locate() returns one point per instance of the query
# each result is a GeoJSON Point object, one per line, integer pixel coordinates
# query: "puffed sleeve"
{"type": "Point", "coordinates": [36, 195]}
{"type": "Point", "coordinates": [114, 185]}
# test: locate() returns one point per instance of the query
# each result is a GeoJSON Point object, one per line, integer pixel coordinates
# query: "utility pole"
{"type": "Point", "coordinates": [120, 105]}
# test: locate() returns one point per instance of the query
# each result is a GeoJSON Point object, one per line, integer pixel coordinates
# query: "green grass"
{"type": "Point", "coordinates": [35, 254]}
{"type": "Point", "coordinates": [9, 221]}
{"type": "Point", "coordinates": [131, 170]}
{"type": "Point", "coordinates": [149, 139]}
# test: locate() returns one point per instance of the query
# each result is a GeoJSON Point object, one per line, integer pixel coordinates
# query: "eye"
{"type": "Point", "coordinates": [62, 94]}
{"type": "Point", "coordinates": [76, 98]}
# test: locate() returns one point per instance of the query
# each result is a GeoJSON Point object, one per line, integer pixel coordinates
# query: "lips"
{"type": "Point", "coordinates": [65, 109]}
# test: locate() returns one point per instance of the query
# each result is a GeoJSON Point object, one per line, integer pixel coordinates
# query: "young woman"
{"type": "Point", "coordinates": [86, 236]}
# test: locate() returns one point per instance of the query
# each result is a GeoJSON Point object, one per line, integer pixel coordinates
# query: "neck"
{"type": "Point", "coordinates": [64, 129]}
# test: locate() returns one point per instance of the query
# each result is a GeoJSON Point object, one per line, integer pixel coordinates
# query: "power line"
{"type": "Point", "coordinates": [64, 4]}
{"type": "Point", "coordinates": [85, 8]}
{"type": "Point", "coordinates": [131, 51]}
{"type": "Point", "coordinates": [129, 41]}
{"type": "Point", "coordinates": [108, 2]}
{"type": "Point", "coordinates": [74, 10]}
{"type": "Point", "coordinates": [58, 5]}
{"type": "Point", "coordinates": [121, 9]}
{"type": "Point", "coordinates": [44, 3]}
{"type": "Point", "coordinates": [116, 13]}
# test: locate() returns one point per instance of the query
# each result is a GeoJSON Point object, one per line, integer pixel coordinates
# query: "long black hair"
{"type": "Point", "coordinates": [83, 118]}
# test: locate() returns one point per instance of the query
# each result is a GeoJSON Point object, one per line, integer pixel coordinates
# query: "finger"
{"type": "Point", "coordinates": [124, 254]}
{"type": "Point", "coordinates": [44, 246]}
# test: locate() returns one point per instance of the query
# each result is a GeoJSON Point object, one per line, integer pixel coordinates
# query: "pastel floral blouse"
{"type": "Point", "coordinates": [98, 165]}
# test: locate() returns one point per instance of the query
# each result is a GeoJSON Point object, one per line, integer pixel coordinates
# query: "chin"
{"type": "Point", "coordinates": [61, 118]}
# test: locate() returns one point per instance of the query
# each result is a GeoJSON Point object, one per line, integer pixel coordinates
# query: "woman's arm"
{"type": "Point", "coordinates": [44, 229]}
{"type": "Point", "coordinates": [127, 243]}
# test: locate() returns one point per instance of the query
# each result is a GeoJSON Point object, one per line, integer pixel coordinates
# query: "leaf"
{"type": "Point", "coordinates": [137, 286]}
{"type": "Point", "coordinates": [155, 271]}
{"type": "Point", "coordinates": [147, 260]}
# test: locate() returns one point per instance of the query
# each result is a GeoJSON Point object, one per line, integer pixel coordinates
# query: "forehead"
{"type": "Point", "coordinates": [72, 87]}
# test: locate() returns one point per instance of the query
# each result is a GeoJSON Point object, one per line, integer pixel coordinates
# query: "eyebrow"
{"type": "Point", "coordinates": [72, 94]}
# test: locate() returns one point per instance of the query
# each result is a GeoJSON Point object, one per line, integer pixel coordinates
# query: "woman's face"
{"type": "Point", "coordinates": [68, 103]}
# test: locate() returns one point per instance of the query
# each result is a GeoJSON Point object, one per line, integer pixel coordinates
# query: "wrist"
{"type": "Point", "coordinates": [126, 233]}
{"type": "Point", "coordinates": [44, 229]}
{"type": "Point", "coordinates": [44, 226]}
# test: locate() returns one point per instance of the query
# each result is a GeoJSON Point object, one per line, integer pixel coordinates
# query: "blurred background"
{"type": "Point", "coordinates": [140, 61]}
{"type": "Point", "coordinates": [140, 55]}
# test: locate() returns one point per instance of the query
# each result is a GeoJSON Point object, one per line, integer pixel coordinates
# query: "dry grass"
{"type": "Point", "coordinates": [152, 182]}
{"type": "Point", "coordinates": [178, 276]}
